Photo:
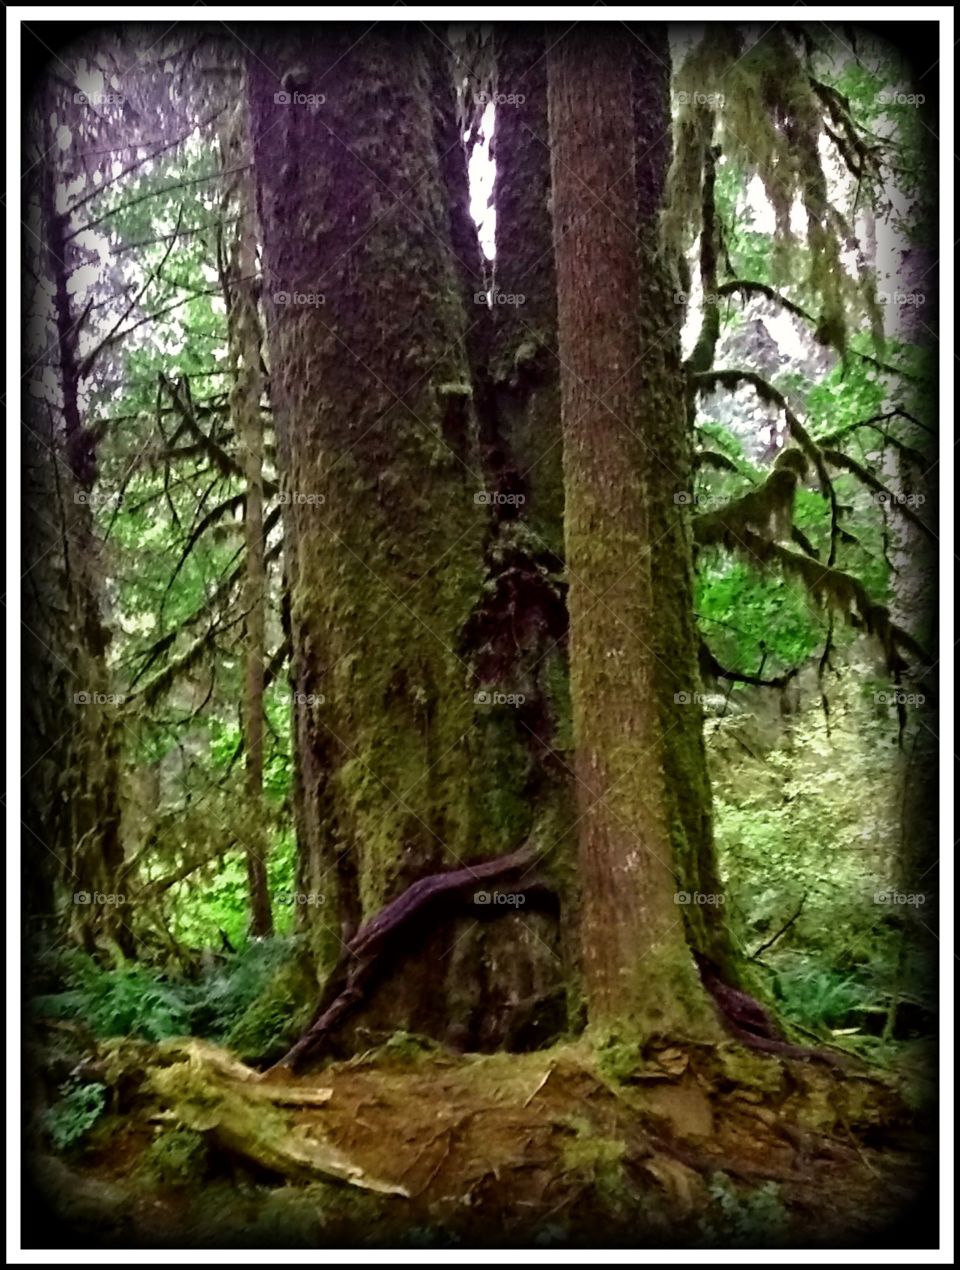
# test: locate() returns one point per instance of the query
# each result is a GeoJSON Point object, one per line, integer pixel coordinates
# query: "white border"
{"type": "Point", "coordinates": [233, 17]}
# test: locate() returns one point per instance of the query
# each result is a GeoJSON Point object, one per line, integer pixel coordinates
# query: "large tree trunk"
{"type": "Point", "coordinates": [638, 967]}
{"type": "Point", "coordinates": [401, 770]}
{"type": "Point", "coordinates": [524, 362]}
{"type": "Point", "coordinates": [71, 762]}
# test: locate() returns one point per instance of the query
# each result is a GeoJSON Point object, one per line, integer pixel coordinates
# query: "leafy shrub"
{"type": "Point", "coordinates": [250, 998]}
{"type": "Point", "coordinates": [742, 1217]}
{"type": "Point", "coordinates": [76, 1112]}
{"type": "Point", "coordinates": [177, 1157]}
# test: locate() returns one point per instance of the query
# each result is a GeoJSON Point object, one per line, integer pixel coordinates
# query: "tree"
{"type": "Point", "coordinates": [408, 761]}
{"type": "Point", "coordinates": [637, 964]}
{"type": "Point", "coordinates": [240, 282]}
{"type": "Point", "coordinates": [73, 796]}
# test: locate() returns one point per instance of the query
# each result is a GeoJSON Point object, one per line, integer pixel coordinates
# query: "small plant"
{"type": "Point", "coordinates": [76, 1112]}
{"type": "Point", "coordinates": [177, 1157]}
{"type": "Point", "coordinates": [743, 1217]}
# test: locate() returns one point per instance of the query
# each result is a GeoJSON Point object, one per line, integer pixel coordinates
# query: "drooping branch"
{"type": "Point", "coordinates": [701, 359]}
{"type": "Point", "coordinates": [731, 379]}
{"type": "Point", "coordinates": [710, 667]}
{"type": "Point", "coordinates": [837, 592]}
{"type": "Point", "coordinates": [836, 458]}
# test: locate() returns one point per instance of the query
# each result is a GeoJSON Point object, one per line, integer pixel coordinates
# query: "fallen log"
{"type": "Point", "coordinates": [205, 1089]}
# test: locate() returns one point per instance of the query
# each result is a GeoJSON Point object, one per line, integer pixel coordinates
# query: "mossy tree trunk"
{"type": "Point", "coordinates": [401, 770]}
{"type": "Point", "coordinates": [668, 474]}
{"type": "Point", "coordinates": [71, 751]}
{"type": "Point", "coordinates": [638, 966]}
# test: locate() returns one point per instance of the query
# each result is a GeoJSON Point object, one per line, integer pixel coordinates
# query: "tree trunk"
{"type": "Point", "coordinates": [72, 768]}
{"type": "Point", "coordinates": [637, 965]}
{"type": "Point", "coordinates": [403, 770]}
{"type": "Point", "coordinates": [245, 396]}
{"type": "Point", "coordinates": [668, 473]}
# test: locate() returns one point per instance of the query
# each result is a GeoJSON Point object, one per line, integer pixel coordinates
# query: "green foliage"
{"type": "Point", "coordinates": [247, 999]}
{"type": "Point", "coordinates": [743, 1217]}
{"type": "Point", "coordinates": [276, 1008]}
{"type": "Point", "coordinates": [177, 1157]}
{"type": "Point", "coordinates": [76, 1111]}
{"type": "Point", "coordinates": [817, 996]}
{"type": "Point", "coordinates": [127, 1000]}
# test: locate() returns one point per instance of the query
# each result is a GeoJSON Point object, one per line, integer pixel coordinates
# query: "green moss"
{"type": "Point", "coordinates": [600, 1160]}
{"type": "Point", "coordinates": [274, 1020]}
{"type": "Point", "coordinates": [177, 1157]}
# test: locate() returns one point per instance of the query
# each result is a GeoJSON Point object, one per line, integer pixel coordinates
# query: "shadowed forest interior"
{"type": "Point", "coordinates": [480, 636]}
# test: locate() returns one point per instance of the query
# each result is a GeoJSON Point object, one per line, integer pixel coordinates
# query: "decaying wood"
{"type": "Point", "coordinates": [210, 1092]}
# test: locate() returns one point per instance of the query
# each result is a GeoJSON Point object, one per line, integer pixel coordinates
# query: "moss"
{"type": "Point", "coordinates": [177, 1157]}
{"type": "Point", "coordinates": [404, 1048]}
{"type": "Point", "coordinates": [754, 1071]}
{"type": "Point", "coordinates": [274, 1020]}
{"type": "Point", "coordinates": [600, 1161]}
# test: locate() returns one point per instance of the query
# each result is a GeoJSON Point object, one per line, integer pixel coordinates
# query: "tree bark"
{"type": "Point", "coordinates": [71, 771]}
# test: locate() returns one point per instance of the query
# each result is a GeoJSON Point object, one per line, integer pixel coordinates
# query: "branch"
{"type": "Point", "coordinates": [838, 459]}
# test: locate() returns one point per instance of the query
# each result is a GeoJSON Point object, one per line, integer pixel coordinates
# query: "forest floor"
{"type": "Point", "coordinates": [676, 1145]}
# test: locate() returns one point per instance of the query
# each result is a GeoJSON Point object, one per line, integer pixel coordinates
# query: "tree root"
{"type": "Point", "coordinates": [348, 984]}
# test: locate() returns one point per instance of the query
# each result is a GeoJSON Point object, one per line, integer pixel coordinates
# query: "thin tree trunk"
{"type": "Point", "coordinates": [245, 398]}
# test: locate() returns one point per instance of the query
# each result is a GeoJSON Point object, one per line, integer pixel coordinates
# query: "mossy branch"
{"type": "Point", "coordinates": [835, 591]}
{"type": "Point", "coordinates": [836, 458]}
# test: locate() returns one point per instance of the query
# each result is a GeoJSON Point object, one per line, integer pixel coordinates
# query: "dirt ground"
{"type": "Point", "coordinates": [674, 1146]}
